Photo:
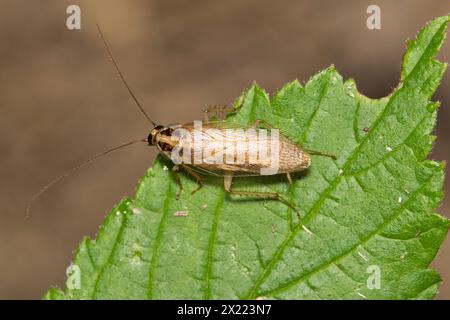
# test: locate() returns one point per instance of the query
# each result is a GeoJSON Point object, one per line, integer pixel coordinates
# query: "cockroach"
{"type": "Point", "coordinates": [290, 157]}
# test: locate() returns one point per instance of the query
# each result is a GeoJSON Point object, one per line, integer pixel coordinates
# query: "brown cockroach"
{"type": "Point", "coordinates": [290, 157]}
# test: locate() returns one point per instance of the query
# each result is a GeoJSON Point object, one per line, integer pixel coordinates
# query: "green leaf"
{"type": "Point", "coordinates": [373, 206]}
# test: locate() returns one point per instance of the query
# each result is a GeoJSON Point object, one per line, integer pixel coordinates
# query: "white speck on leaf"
{"type": "Point", "coordinates": [362, 256]}
{"type": "Point", "coordinates": [181, 213]}
{"type": "Point", "coordinates": [306, 229]}
{"type": "Point", "coordinates": [434, 163]}
{"type": "Point", "coordinates": [135, 260]}
{"type": "Point", "coordinates": [361, 295]}
{"type": "Point", "coordinates": [136, 247]}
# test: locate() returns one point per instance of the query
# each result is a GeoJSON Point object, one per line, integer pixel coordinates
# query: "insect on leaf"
{"type": "Point", "coordinates": [370, 227]}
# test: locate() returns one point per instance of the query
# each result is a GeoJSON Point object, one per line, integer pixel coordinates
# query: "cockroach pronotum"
{"type": "Point", "coordinates": [241, 149]}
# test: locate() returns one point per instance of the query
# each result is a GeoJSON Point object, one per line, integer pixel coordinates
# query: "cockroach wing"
{"type": "Point", "coordinates": [219, 148]}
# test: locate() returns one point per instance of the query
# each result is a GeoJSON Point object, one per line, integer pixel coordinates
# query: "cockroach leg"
{"type": "Point", "coordinates": [228, 179]}
{"type": "Point", "coordinates": [288, 176]}
{"type": "Point", "coordinates": [199, 186]}
{"type": "Point", "coordinates": [259, 122]}
{"type": "Point", "coordinates": [216, 110]}
{"type": "Point", "coordinates": [320, 153]}
{"type": "Point", "coordinates": [175, 170]}
{"type": "Point", "coordinates": [196, 176]}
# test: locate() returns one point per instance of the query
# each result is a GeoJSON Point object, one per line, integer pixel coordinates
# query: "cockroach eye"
{"type": "Point", "coordinates": [149, 138]}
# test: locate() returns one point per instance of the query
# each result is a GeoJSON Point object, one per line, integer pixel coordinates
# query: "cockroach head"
{"type": "Point", "coordinates": [153, 133]}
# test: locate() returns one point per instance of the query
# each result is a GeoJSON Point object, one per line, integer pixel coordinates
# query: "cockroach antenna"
{"type": "Point", "coordinates": [37, 195]}
{"type": "Point", "coordinates": [121, 76]}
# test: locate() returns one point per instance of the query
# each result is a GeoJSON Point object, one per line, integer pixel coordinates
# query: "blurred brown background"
{"type": "Point", "coordinates": [61, 102]}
